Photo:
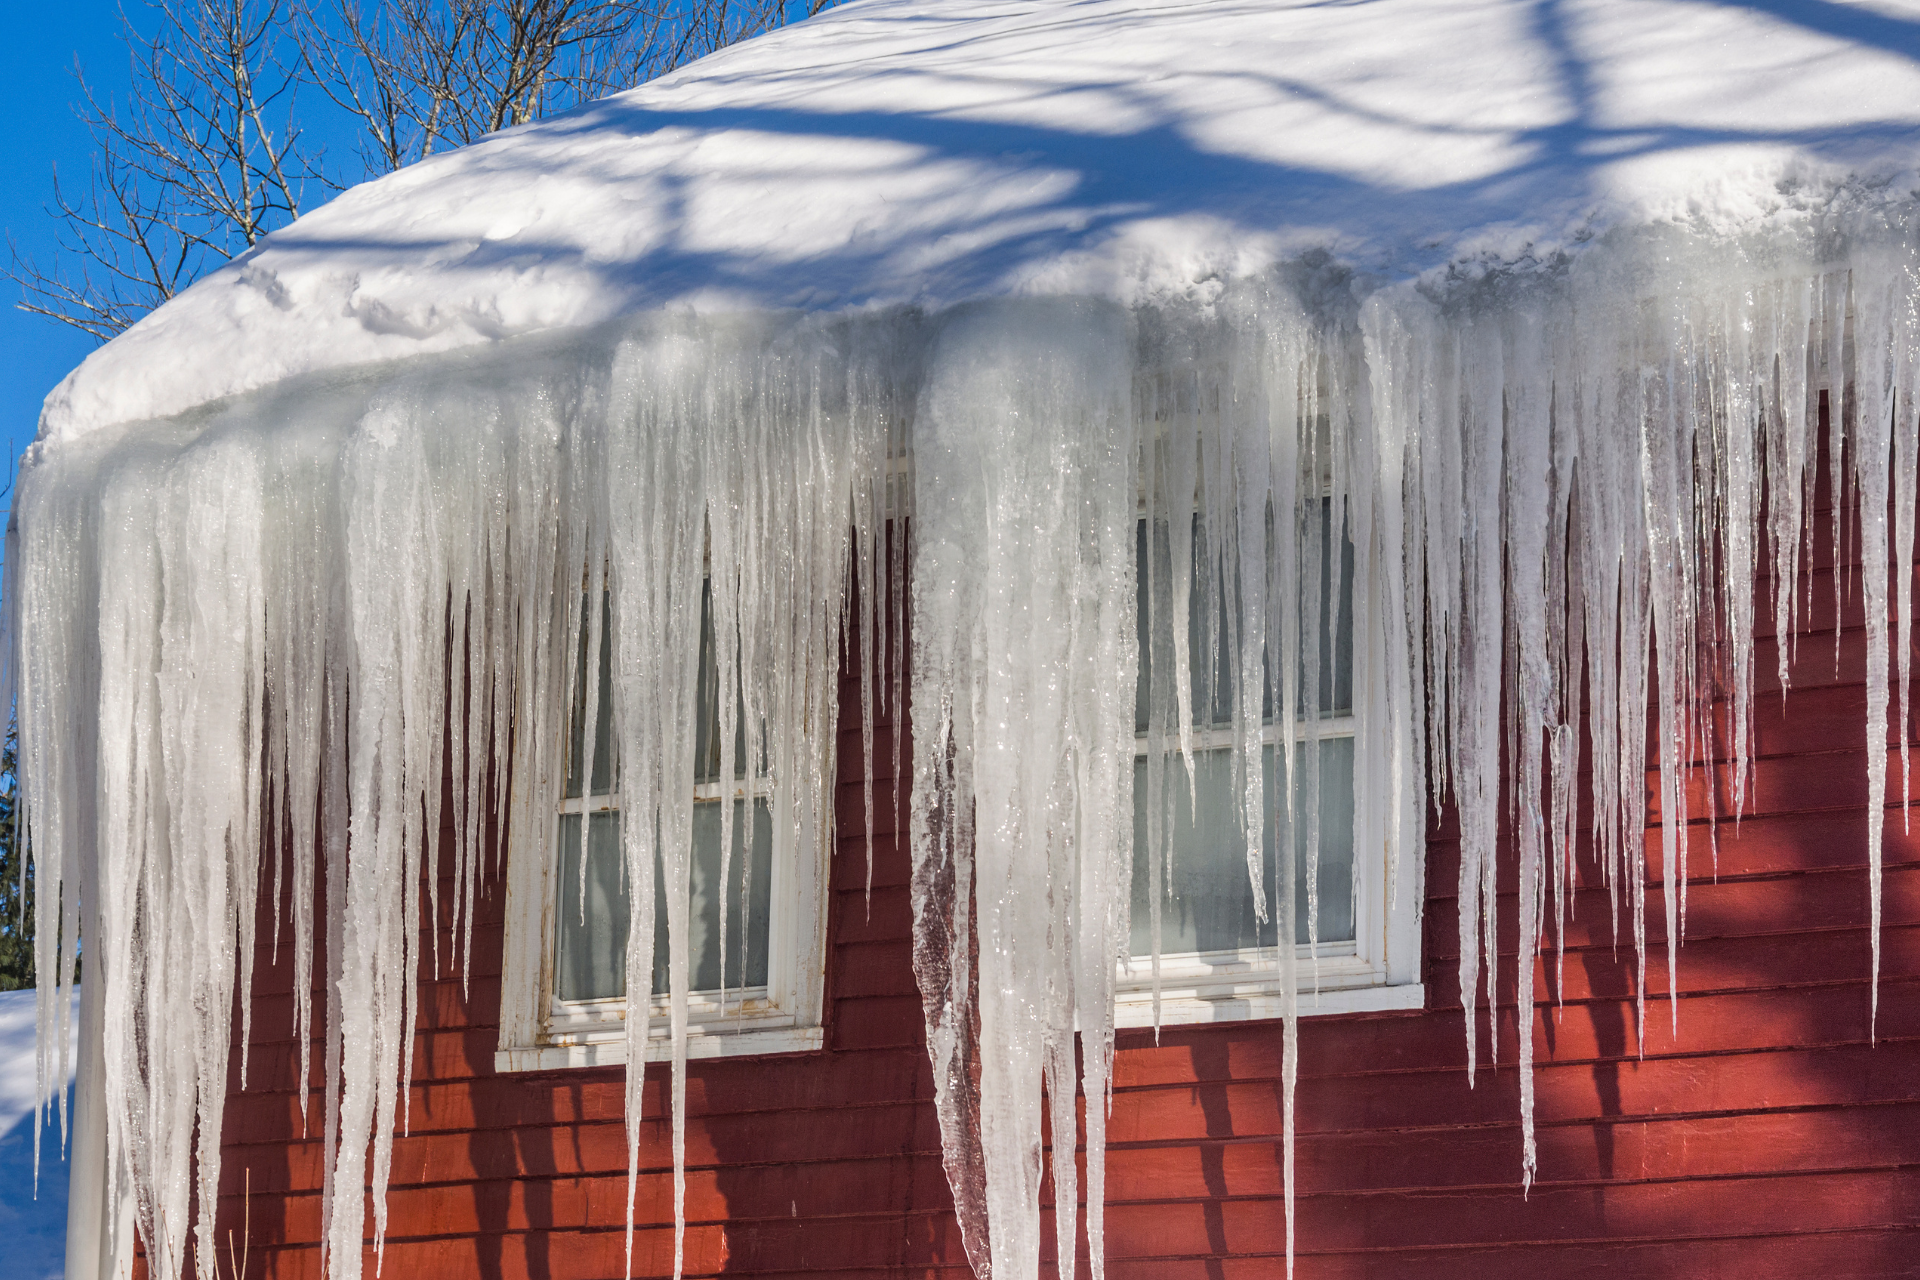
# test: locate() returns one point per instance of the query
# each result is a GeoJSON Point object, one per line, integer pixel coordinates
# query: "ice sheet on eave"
{"type": "Point", "coordinates": [919, 152]}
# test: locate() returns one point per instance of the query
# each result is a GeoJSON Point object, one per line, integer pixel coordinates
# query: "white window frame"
{"type": "Point", "coordinates": [1378, 971]}
{"type": "Point", "coordinates": [541, 1032]}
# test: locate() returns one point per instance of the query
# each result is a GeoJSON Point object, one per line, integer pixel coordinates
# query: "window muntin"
{"type": "Point", "coordinates": [590, 960]}
{"type": "Point", "coordinates": [1209, 903]}
{"type": "Point", "coordinates": [564, 1000]}
{"type": "Point", "coordinates": [1216, 960]}
{"type": "Point", "coordinates": [590, 938]}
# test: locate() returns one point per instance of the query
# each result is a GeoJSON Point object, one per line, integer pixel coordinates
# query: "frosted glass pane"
{"type": "Point", "coordinates": [591, 952]}
{"type": "Point", "coordinates": [1211, 906]}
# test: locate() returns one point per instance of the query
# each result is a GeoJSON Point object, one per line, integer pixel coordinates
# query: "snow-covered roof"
{"type": "Point", "coordinates": [925, 152]}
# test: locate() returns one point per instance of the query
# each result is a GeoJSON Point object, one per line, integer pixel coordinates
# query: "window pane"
{"type": "Point", "coordinates": [706, 745]}
{"type": "Point", "coordinates": [1211, 908]}
{"type": "Point", "coordinates": [1210, 654]}
{"type": "Point", "coordinates": [591, 954]}
{"type": "Point", "coordinates": [603, 718]}
{"type": "Point", "coordinates": [1336, 630]}
{"type": "Point", "coordinates": [706, 741]}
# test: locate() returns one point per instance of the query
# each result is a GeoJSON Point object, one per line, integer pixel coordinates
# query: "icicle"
{"type": "Point", "coordinates": [282, 626]}
{"type": "Point", "coordinates": [1022, 687]}
{"type": "Point", "coordinates": [763, 502]}
{"type": "Point", "coordinates": [1906, 510]}
{"type": "Point", "coordinates": [1884, 291]}
{"type": "Point", "coordinates": [306, 590]}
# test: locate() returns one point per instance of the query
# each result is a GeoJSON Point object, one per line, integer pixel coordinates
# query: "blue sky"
{"type": "Point", "coordinates": [39, 46]}
{"type": "Point", "coordinates": [40, 43]}
{"type": "Point", "coordinates": [37, 56]}
{"type": "Point", "coordinates": [36, 64]}
{"type": "Point", "coordinates": [37, 52]}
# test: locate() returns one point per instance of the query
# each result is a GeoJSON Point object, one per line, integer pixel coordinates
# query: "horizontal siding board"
{"type": "Point", "coordinates": [1438, 1217]}
{"type": "Point", "coordinates": [1726, 915]}
{"type": "Point", "coordinates": [1852, 1255]}
{"type": "Point", "coordinates": [1858, 1074]}
{"type": "Point", "coordinates": [770, 1085]}
{"type": "Point", "coordinates": [886, 916]}
{"type": "Point", "coordinates": [875, 969]}
{"type": "Point", "coordinates": [524, 1202]}
{"type": "Point", "coordinates": [1836, 1138]}
{"type": "Point", "coordinates": [1566, 1093]}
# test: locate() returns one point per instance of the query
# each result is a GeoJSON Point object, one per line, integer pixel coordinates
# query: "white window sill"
{"type": "Point", "coordinates": [611, 1051]}
{"type": "Point", "coordinates": [1186, 1007]}
{"type": "Point", "coordinates": [1230, 987]}
{"type": "Point", "coordinates": [593, 1033]}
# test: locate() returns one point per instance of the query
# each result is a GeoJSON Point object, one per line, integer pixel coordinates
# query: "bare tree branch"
{"type": "Point", "coordinates": [208, 155]}
{"type": "Point", "coordinates": [422, 75]}
{"type": "Point", "coordinates": [201, 161]}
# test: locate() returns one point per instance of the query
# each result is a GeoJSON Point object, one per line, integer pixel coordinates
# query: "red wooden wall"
{"type": "Point", "coordinates": [1769, 1139]}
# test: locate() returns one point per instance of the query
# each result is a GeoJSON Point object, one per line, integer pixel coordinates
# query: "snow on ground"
{"type": "Point", "coordinates": [34, 1229]}
{"type": "Point", "coordinates": [901, 151]}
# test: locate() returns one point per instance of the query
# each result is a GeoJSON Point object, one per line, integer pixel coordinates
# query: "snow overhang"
{"type": "Point", "coordinates": [901, 152]}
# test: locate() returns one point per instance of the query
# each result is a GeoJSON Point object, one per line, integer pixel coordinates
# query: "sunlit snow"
{"type": "Point", "coordinates": [901, 152]}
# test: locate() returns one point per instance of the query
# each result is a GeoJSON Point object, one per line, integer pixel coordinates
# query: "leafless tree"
{"type": "Point", "coordinates": [208, 153]}
{"type": "Point", "coordinates": [201, 161]}
{"type": "Point", "coordinates": [424, 75]}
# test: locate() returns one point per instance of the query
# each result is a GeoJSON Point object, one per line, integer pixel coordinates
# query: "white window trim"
{"type": "Point", "coordinates": [539, 1032]}
{"type": "Point", "coordinates": [1379, 970]}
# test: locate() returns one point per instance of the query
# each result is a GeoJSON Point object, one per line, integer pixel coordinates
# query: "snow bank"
{"type": "Point", "coordinates": [1536, 302]}
{"type": "Point", "coordinates": [903, 152]}
{"type": "Point", "coordinates": [33, 1167]}
{"type": "Point", "coordinates": [19, 1040]}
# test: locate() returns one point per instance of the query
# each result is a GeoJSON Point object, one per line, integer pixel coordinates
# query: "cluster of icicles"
{"type": "Point", "coordinates": [294, 621]}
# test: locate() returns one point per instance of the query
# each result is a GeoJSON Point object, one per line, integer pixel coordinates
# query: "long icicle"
{"type": "Point", "coordinates": [407, 550]}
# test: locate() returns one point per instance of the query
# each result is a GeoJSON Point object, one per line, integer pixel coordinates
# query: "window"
{"type": "Point", "coordinates": [565, 1001]}
{"type": "Point", "coordinates": [1218, 961]}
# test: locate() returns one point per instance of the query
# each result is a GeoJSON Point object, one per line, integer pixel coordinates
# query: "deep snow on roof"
{"type": "Point", "coordinates": [923, 153]}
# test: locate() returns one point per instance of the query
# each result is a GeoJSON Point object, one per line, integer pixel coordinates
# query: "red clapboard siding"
{"type": "Point", "coordinates": [1769, 1137]}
